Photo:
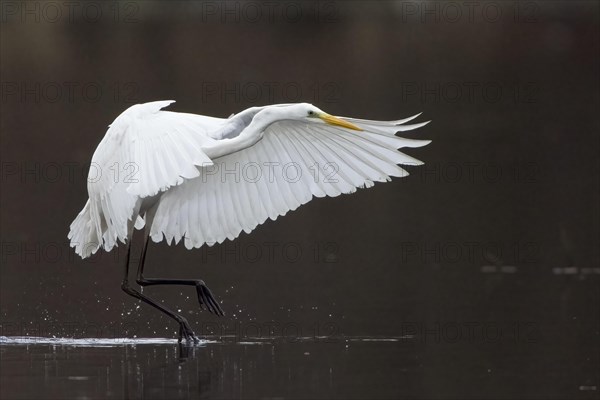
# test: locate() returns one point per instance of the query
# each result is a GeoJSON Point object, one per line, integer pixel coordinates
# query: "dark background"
{"type": "Point", "coordinates": [490, 250]}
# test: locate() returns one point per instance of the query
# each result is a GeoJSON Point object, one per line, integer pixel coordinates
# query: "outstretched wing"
{"type": "Point", "coordinates": [294, 161]}
{"type": "Point", "coordinates": [145, 151]}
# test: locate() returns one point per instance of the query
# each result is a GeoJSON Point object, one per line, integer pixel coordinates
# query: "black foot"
{"type": "Point", "coordinates": [206, 298]}
{"type": "Point", "coordinates": [186, 332]}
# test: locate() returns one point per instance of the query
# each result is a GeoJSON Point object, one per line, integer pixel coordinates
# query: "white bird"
{"type": "Point", "coordinates": [201, 180]}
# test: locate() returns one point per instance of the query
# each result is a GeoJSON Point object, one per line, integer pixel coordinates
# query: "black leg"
{"type": "Point", "coordinates": [185, 331]}
{"type": "Point", "coordinates": [205, 296]}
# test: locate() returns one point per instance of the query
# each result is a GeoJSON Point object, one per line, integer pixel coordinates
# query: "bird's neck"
{"type": "Point", "coordinates": [263, 119]}
{"type": "Point", "coordinates": [248, 137]}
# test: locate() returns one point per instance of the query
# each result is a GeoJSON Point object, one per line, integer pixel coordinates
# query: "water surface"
{"type": "Point", "coordinates": [344, 367]}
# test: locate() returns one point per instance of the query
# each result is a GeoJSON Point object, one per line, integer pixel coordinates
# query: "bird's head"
{"type": "Point", "coordinates": [308, 111]}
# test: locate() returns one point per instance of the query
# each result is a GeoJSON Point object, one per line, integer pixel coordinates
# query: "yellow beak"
{"type": "Point", "coordinates": [330, 119]}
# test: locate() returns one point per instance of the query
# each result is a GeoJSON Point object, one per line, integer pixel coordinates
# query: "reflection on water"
{"type": "Point", "coordinates": [160, 368]}
{"type": "Point", "coordinates": [345, 367]}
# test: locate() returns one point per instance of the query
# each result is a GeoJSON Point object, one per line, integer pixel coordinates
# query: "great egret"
{"type": "Point", "coordinates": [202, 180]}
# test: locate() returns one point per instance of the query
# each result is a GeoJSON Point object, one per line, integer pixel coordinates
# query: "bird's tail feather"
{"type": "Point", "coordinates": [83, 234]}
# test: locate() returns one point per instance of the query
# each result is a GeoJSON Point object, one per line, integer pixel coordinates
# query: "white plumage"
{"type": "Point", "coordinates": [203, 180]}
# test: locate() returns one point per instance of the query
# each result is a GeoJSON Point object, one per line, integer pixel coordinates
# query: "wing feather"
{"type": "Point", "coordinates": [312, 164]}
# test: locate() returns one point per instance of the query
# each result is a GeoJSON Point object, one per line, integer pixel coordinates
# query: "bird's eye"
{"type": "Point", "coordinates": [310, 113]}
